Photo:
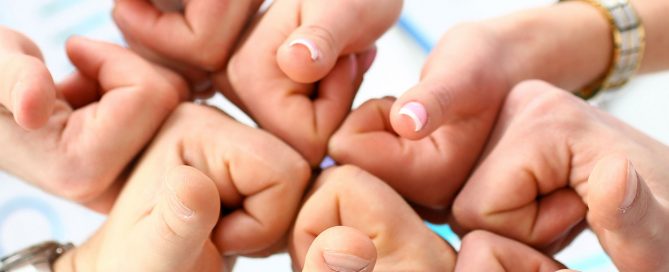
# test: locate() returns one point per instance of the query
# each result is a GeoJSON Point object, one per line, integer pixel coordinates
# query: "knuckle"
{"type": "Point", "coordinates": [323, 35]}
{"type": "Point", "coordinates": [341, 177]}
{"type": "Point", "coordinates": [479, 239]}
{"type": "Point", "coordinates": [466, 212]}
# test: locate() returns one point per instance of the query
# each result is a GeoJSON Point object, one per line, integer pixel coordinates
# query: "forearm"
{"type": "Point", "coordinates": [570, 44]}
{"type": "Point", "coordinates": [653, 14]}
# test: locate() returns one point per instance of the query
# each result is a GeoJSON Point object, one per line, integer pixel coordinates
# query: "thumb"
{"type": "Point", "coordinates": [180, 224]}
{"type": "Point", "coordinates": [328, 31]}
{"type": "Point", "coordinates": [626, 216]}
{"type": "Point", "coordinates": [341, 249]}
{"type": "Point", "coordinates": [26, 87]}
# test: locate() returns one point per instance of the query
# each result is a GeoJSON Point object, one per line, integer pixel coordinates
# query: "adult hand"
{"type": "Point", "coordinates": [86, 130]}
{"type": "Point", "coordinates": [192, 37]}
{"type": "Point", "coordinates": [216, 203]}
{"type": "Point", "coordinates": [352, 221]}
{"type": "Point", "coordinates": [298, 68]}
{"type": "Point", "coordinates": [162, 224]}
{"type": "Point", "coordinates": [532, 182]}
{"type": "Point", "coordinates": [485, 251]}
{"type": "Point", "coordinates": [432, 136]}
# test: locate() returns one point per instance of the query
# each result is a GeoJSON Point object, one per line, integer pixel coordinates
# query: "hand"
{"type": "Point", "coordinates": [374, 227]}
{"type": "Point", "coordinates": [192, 37]}
{"type": "Point", "coordinates": [89, 128]}
{"type": "Point", "coordinates": [532, 182]}
{"type": "Point", "coordinates": [162, 228]}
{"type": "Point", "coordinates": [449, 114]}
{"type": "Point", "coordinates": [216, 203]}
{"type": "Point", "coordinates": [297, 69]}
{"type": "Point", "coordinates": [485, 251]}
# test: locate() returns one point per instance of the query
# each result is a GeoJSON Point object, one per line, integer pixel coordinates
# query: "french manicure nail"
{"type": "Point", "coordinates": [416, 111]}
{"type": "Point", "coordinates": [342, 262]}
{"type": "Point", "coordinates": [631, 189]}
{"type": "Point", "coordinates": [311, 46]}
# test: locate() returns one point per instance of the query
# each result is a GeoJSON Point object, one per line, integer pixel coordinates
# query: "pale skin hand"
{"type": "Point", "coordinates": [486, 251]}
{"type": "Point", "coordinates": [192, 37]}
{"type": "Point", "coordinates": [353, 220]}
{"type": "Point", "coordinates": [539, 158]}
{"type": "Point", "coordinates": [253, 178]}
{"type": "Point", "coordinates": [86, 130]}
{"type": "Point", "coordinates": [298, 94]}
{"type": "Point", "coordinates": [464, 83]}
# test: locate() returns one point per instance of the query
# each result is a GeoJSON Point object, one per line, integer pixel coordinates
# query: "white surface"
{"type": "Point", "coordinates": [28, 215]}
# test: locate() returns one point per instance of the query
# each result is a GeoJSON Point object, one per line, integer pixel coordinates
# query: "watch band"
{"type": "Point", "coordinates": [39, 257]}
{"type": "Point", "coordinates": [628, 45]}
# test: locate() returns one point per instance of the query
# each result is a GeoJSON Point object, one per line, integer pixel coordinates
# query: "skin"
{"type": "Point", "coordinates": [541, 166]}
{"type": "Point", "coordinates": [209, 27]}
{"type": "Point", "coordinates": [463, 93]}
{"type": "Point", "coordinates": [343, 214]}
{"type": "Point", "coordinates": [83, 132]}
{"type": "Point", "coordinates": [485, 251]}
{"type": "Point", "coordinates": [317, 92]}
{"type": "Point", "coordinates": [168, 217]}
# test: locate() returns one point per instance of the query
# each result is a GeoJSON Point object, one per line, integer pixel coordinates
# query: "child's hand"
{"type": "Point", "coordinates": [90, 127]}
{"type": "Point", "coordinates": [192, 37]}
{"type": "Point", "coordinates": [298, 68]}
{"type": "Point", "coordinates": [379, 230]}
{"type": "Point", "coordinates": [532, 182]}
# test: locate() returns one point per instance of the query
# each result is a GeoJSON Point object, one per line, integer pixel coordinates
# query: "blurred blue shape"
{"type": "Point", "coordinates": [415, 33]}
{"type": "Point", "coordinates": [35, 204]}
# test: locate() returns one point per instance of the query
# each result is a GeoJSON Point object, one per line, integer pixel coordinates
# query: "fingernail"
{"type": "Point", "coordinates": [177, 205]}
{"type": "Point", "coordinates": [369, 59]}
{"type": "Point", "coordinates": [311, 46]}
{"type": "Point", "coordinates": [416, 111]}
{"type": "Point", "coordinates": [342, 262]}
{"type": "Point", "coordinates": [631, 189]}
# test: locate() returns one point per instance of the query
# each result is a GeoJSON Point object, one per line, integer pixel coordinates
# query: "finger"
{"type": "Point", "coordinates": [251, 198]}
{"type": "Point", "coordinates": [319, 118]}
{"type": "Point", "coordinates": [328, 31]}
{"type": "Point", "coordinates": [453, 86]}
{"type": "Point", "coordinates": [26, 87]}
{"type": "Point", "coordinates": [342, 195]}
{"type": "Point", "coordinates": [179, 226]}
{"type": "Point", "coordinates": [485, 251]}
{"type": "Point", "coordinates": [526, 161]}
{"type": "Point", "coordinates": [209, 27]}
{"type": "Point", "coordinates": [169, 5]}
{"type": "Point", "coordinates": [626, 216]}
{"type": "Point", "coordinates": [341, 249]}
{"type": "Point", "coordinates": [134, 102]}
{"type": "Point", "coordinates": [413, 168]}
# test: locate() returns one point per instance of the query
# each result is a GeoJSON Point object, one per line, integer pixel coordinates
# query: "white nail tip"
{"type": "Point", "coordinates": [311, 46]}
{"type": "Point", "coordinates": [414, 117]}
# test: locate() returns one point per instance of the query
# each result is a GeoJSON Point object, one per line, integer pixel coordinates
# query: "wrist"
{"type": "Point", "coordinates": [568, 44]}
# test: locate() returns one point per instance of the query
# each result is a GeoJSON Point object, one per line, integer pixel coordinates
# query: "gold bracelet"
{"type": "Point", "coordinates": [628, 45]}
